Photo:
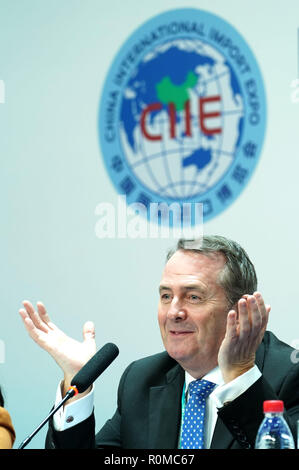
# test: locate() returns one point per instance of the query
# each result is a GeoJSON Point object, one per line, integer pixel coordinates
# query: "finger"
{"type": "Point", "coordinates": [245, 296]}
{"type": "Point", "coordinates": [44, 314]}
{"type": "Point", "coordinates": [89, 338]}
{"type": "Point", "coordinates": [231, 325]}
{"type": "Point", "coordinates": [29, 325]}
{"type": "Point", "coordinates": [244, 319]}
{"type": "Point", "coordinates": [264, 309]}
{"type": "Point", "coordinates": [256, 315]}
{"type": "Point", "coordinates": [260, 302]}
{"type": "Point", "coordinates": [88, 331]}
{"type": "Point", "coordinates": [24, 316]}
{"type": "Point", "coordinates": [34, 316]}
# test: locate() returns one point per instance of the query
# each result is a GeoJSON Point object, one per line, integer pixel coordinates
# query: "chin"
{"type": "Point", "coordinates": [192, 360]}
{"type": "Point", "coordinates": [178, 354]}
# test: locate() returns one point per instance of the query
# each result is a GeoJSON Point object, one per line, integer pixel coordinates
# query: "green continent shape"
{"type": "Point", "coordinates": [167, 92]}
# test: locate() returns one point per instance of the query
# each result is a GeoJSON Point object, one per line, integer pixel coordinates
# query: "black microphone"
{"type": "Point", "coordinates": [94, 367]}
{"type": "Point", "coordinates": [82, 380]}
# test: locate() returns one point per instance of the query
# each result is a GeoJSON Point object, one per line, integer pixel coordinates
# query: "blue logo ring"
{"type": "Point", "coordinates": [183, 112]}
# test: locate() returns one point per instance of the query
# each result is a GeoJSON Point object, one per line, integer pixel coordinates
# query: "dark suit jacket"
{"type": "Point", "coordinates": [148, 414]}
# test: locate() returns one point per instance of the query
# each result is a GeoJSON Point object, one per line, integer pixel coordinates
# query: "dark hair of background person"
{"type": "Point", "coordinates": [1, 398]}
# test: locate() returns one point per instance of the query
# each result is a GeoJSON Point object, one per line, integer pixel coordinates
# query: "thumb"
{"type": "Point", "coordinates": [88, 331]}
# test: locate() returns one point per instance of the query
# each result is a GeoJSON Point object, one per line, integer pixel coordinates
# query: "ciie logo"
{"type": "Point", "coordinates": [2, 92]}
{"type": "Point", "coordinates": [182, 114]}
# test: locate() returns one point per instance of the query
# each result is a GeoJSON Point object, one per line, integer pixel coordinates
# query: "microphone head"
{"type": "Point", "coordinates": [94, 367]}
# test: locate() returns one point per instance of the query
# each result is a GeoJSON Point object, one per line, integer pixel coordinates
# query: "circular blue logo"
{"type": "Point", "coordinates": [183, 112]}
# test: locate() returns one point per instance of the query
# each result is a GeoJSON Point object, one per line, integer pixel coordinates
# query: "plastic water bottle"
{"type": "Point", "coordinates": [274, 432]}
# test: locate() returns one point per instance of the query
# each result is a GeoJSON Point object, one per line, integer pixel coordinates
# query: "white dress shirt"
{"type": "Point", "coordinates": [222, 393]}
{"type": "Point", "coordinates": [72, 413]}
{"type": "Point", "coordinates": [81, 409]}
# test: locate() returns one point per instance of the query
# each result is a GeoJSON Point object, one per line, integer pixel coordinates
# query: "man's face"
{"type": "Point", "coordinates": [192, 310]}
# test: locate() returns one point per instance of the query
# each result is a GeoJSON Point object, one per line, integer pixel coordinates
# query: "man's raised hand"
{"type": "Point", "coordinates": [69, 354]}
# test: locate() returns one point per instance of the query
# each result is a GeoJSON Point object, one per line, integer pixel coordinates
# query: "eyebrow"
{"type": "Point", "coordinates": [164, 288]}
{"type": "Point", "coordinates": [183, 288]}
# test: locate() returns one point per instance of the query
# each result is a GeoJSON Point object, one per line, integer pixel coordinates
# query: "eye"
{"type": "Point", "coordinates": [165, 298]}
{"type": "Point", "coordinates": [194, 298]}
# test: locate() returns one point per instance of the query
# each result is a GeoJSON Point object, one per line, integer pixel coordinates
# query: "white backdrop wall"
{"type": "Point", "coordinates": [54, 58]}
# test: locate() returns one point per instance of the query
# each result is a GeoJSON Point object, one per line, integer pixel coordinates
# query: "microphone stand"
{"type": "Point", "coordinates": [69, 394]}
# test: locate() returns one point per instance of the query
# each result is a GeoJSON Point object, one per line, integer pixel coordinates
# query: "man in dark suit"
{"type": "Point", "coordinates": [213, 326]}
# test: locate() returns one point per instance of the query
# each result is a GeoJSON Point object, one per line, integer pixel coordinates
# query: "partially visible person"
{"type": "Point", "coordinates": [7, 432]}
{"type": "Point", "coordinates": [213, 325]}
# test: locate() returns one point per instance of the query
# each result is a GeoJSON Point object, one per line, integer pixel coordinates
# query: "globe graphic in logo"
{"type": "Point", "coordinates": [183, 111]}
{"type": "Point", "coordinates": [176, 152]}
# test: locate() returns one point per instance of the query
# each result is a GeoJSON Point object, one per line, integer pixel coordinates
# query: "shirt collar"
{"type": "Point", "coordinates": [213, 375]}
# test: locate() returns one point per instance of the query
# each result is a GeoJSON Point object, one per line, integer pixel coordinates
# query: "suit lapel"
{"type": "Point", "coordinates": [165, 411]}
{"type": "Point", "coordinates": [222, 438]}
{"type": "Point", "coordinates": [260, 356]}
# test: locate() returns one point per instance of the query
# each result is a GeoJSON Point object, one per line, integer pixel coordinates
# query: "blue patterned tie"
{"type": "Point", "coordinates": [193, 424]}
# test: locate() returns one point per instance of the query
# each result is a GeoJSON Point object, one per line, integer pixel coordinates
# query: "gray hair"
{"type": "Point", "coordinates": [238, 277]}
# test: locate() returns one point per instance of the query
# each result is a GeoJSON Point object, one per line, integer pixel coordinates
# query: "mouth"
{"type": "Point", "coordinates": [179, 333]}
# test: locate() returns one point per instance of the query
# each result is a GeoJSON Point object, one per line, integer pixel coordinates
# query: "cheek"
{"type": "Point", "coordinates": [210, 323]}
{"type": "Point", "coordinates": [217, 326]}
{"type": "Point", "coordinates": [161, 316]}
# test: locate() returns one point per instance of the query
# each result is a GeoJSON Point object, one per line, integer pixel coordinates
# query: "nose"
{"type": "Point", "coordinates": [176, 311]}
